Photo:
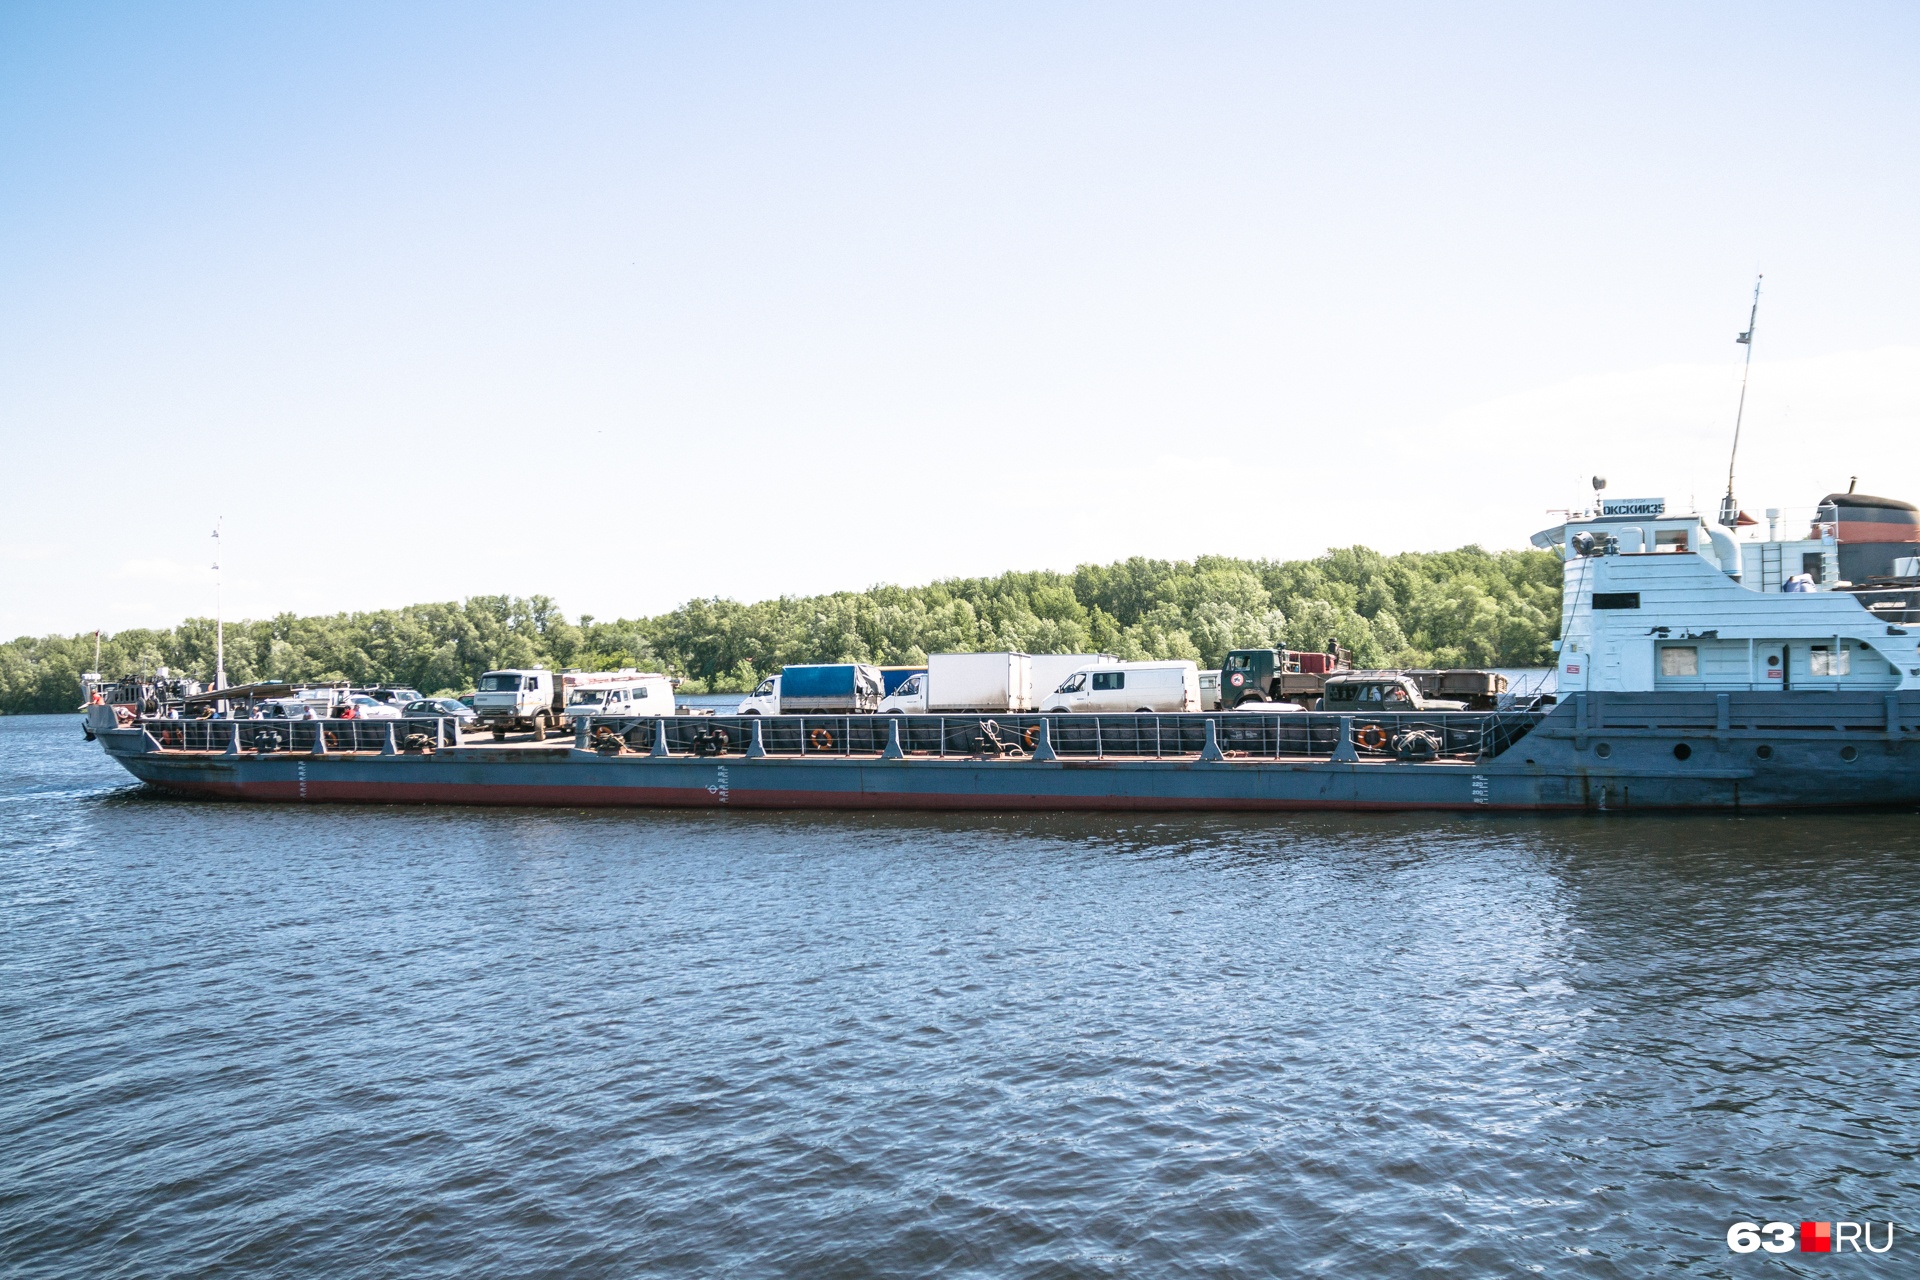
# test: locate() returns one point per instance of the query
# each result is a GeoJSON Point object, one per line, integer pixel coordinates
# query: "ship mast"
{"type": "Point", "coordinates": [1729, 508]}
{"type": "Point", "coordinates": [219, 622]}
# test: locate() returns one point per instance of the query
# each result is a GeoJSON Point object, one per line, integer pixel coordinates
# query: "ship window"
{"type": "Point", "coordinates": [1616, 599]}
{"type": "Point", "coordinates": [1670, 540]}
{"type": "Point", "coordinates": [1679, 660]}
{"type": "Point", "coordinates": [1109, 679]}
{"type": "Point", "coordinates": [1823, 660]}
{"type": "Point", "coordinates": [1810, 563]}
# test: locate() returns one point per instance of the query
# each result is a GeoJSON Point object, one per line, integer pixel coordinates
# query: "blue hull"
{"type": "Point", "coordinates": [1594, 752]}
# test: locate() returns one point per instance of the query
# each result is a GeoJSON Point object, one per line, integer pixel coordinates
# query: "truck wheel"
{"type": "Point", "coordinates": [540, 727]}
{"type": "Point", "coordinates": [1143, 711]}
{"type": "Point", "coordinates": [499, 735]}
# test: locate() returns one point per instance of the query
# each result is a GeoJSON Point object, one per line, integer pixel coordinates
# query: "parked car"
{"type": "Point", "coordinates": [1129, 686]}
{"type": "Point", "coordinates": [397, 694]}
{"type": "Point", "coordinates": [1375, 691]}
{"type": "Point", "coordinates": [424, 708]}
{"type": "Point", "coordinates": [358, 706]}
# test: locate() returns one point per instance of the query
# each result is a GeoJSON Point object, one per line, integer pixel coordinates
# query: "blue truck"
{"type": "Point", "coordinates": [833, 688]}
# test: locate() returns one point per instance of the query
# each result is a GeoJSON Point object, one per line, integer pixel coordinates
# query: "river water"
{"type": "Point", "coordinates": [246, 1040]}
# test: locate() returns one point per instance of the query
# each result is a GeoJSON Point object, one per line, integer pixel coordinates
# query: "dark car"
{"type": "Point", "coordinates": [424, 708]}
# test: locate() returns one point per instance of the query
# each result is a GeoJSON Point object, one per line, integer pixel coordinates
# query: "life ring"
{"type": "Point", "coordinates": [1031, 736]}
{"type": "Point", "coordinates": [123, 716]}
{"type": "Point", "coordinates": [1372, 737]}
{"type": "Point", "coordinates": [820, 740]}
{"type": "Point", "coordinates": [333, 740]}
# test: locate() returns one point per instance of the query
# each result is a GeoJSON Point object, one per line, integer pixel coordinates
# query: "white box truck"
{"type": "Point", "coordinates": [988, 682]}
{"type": "Point", "coordinates": [955, 683]}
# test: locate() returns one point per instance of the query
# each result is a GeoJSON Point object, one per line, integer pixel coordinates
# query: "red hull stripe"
{"type": "Point", "coordinates": [701, 798]}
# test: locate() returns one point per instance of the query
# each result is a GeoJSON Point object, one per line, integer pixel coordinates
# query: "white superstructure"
{"type": "Point", "coordinates": [1653, 601]}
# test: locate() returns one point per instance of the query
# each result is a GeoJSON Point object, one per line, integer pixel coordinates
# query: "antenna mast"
{"type": "Point", "coordinates": [219, 622]}
{"type": "Point", "coordinates": [1729, 508]}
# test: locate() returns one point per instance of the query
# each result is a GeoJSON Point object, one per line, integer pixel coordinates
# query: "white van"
{"type": "Point", "coordinates": [1129, 686]}
{"type": "Point", "coordinates": [617, 693]}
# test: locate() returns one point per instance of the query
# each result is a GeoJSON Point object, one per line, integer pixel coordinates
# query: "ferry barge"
{"type": "Point", "coordinates": [1696, 671]}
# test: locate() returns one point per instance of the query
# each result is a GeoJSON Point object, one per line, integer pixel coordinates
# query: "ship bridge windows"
{"type": "Point", "coordinates": [1670, 540]}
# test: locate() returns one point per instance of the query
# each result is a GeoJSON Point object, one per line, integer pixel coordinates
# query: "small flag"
{"type": "Point", "coordinates": [1746, 338]}
{"type": "Point", "coordinates": [1816, 1237]}
{"type": "Point", "coordinates": [1744, 520]}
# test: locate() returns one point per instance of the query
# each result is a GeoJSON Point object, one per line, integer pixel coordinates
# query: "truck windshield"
{"type": "Point", "coordinates": [495, 682]}
{"type": "Point", "coordinates": [765, 690]}
{"type": "Point", "coordinates": [1073, 683]}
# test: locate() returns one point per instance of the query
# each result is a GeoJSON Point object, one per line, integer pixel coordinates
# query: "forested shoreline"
{"type": "Point", "coordinates": [1469, 607]}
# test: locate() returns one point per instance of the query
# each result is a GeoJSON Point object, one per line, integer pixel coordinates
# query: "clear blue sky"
{"type": "Point", "coordinates": [627, 304]}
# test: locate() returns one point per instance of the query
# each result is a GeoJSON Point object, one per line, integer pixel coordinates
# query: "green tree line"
{"type": "Point", "coordinates": [1470, 608]}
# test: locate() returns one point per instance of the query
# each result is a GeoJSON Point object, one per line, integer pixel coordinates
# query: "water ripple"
{"type": "Point", "coordinates": [370, 1041]}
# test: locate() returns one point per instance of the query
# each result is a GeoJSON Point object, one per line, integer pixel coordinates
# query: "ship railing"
{"type": "Point", "coordinates": [1239, 735]}
{"type": "Point", "coordinates": [267, 736]}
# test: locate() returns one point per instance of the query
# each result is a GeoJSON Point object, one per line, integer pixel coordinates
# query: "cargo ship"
{"type": "Point", "coordinates": [1695, 670]}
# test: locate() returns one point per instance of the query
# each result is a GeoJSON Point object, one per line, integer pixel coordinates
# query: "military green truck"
{"type": "Point", "coordinates": [1289, 675]}
{"type": "Point", "coordinates": [1278, 675]}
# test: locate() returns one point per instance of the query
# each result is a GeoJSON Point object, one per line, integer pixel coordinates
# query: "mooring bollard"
{"type": "Point", "coordinates": [1211, 751]}
{"type": "Point", "coordinates": [389, 747]}
{"type": "Point", "coordinates": [582, 727]}
{"type": "Point", "coordinates": [233, 738]}
{"type": "Point", "coordinates": [659, 751]}
{"type": "Point", "coordinates": [757, 750]}
{"type": "Point", "coordinates": [1043, 749]}
{"type": "Point", "coordinates": [893, 751]}
{"type": "Point", "coordinates": [319, 737]}
{"type": "Point", "coordinates": [1344, 749]}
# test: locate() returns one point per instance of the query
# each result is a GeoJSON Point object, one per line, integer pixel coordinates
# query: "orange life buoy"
{"type": "Point", "coordinates": [1031, 736]}
{"type": "Point", "coordinates": [333, 740]}
{"type": "Point", "coordinates": [1372, 737]}
{"type": "Point", "coordinates": [821, 740]}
